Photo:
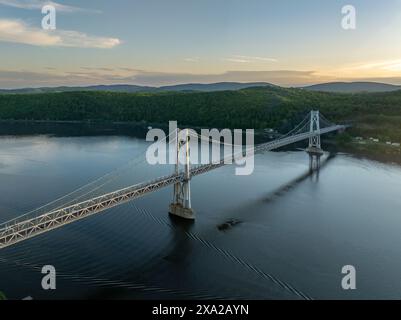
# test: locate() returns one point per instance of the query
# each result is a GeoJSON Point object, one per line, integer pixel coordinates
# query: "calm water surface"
{"type": "Point", "coordinates": [278, 234]}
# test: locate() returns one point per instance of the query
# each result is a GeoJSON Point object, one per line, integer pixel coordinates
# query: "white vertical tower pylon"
{"type": "Point", "coordinates": [314, 149]}
{"type": "Point", "coordinates": [314, 141]}
{"type": "Point", "coordinates": [181, 205]}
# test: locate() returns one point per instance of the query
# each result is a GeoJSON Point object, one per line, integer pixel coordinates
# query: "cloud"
{"type": "Point", "coordinates": [17, 31]}
{"type": "Point", "coordinates": [38, 5]}
{"type": "Point", "coordinates": [236, 60]}
{"type": "Point", "coordinates": [388, 65]}
{"type": "Point", "coordinates": [192, 59]}
{"type": "Point", "coordinates": [50, 78]}
{"type": "Point", "coordinates": [132, 70]}
{"type": "Point", "coordinates": [100, 68]}
{"type": "Point", "coordinates": [249, 59]}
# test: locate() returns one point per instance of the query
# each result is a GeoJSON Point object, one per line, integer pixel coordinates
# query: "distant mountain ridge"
{"type": "Point", "coordinates": [335, 87]}
{"type": "Point", "coordinates": [219, 86]}
{"type": "Point", "coordinates": [353, 87]}
{"type": "Point", "coordinates": [195, 87]}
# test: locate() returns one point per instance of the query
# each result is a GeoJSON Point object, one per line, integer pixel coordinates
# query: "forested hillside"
{"type": "Point", "coordinates": [376, 114]}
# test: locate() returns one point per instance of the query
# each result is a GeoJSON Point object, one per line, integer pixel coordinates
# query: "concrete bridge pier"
{"type": "Point", "coordinates": [314, 158]}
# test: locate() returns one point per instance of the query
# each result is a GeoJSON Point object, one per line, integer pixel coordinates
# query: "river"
{"type": "Point", "coordinates": [280, 233]}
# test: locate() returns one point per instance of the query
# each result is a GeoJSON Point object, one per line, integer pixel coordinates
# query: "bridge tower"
{"type": "Point", "coordinates": [181, 205]}
{"type": "Point", "coordinates": [314, 150]}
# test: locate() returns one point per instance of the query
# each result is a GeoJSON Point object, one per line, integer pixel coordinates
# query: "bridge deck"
{"type": "Point", "coordinates": [22, 230]}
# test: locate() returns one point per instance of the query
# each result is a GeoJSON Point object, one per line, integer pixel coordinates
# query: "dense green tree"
{"type": "Point", "coordinates": [376, 114]}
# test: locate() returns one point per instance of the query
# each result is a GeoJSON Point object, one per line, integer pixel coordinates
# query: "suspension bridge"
{"type": "Point", "coordinates": [28, 226]}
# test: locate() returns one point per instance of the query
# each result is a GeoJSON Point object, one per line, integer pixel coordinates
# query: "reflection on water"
{"type": "Point", "coordinates": [278, 234]}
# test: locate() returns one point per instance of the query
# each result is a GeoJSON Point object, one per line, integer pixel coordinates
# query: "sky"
{"type": "Point", "coordinates": [165, 42]}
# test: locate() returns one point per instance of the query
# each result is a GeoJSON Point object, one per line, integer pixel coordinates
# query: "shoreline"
{"type": "Point", "coordinates": [369, 150]}
{"type": "Point", "coordinates": [380, 152]}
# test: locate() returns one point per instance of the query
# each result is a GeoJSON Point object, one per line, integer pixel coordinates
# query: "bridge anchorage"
{"type": "Point", "coordinates": [181, 205]}
{"type": "Point", "coordinates": [314, 149]}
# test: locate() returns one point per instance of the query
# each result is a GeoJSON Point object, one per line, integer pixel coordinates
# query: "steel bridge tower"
{"type": "Point", "coordinates": [181, 205]}
{"type": "Point", "coordinates": [314, 150]}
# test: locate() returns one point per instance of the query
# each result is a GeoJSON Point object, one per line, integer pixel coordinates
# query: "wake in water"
{"type": "Point", "coordinates": [226, 254]}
